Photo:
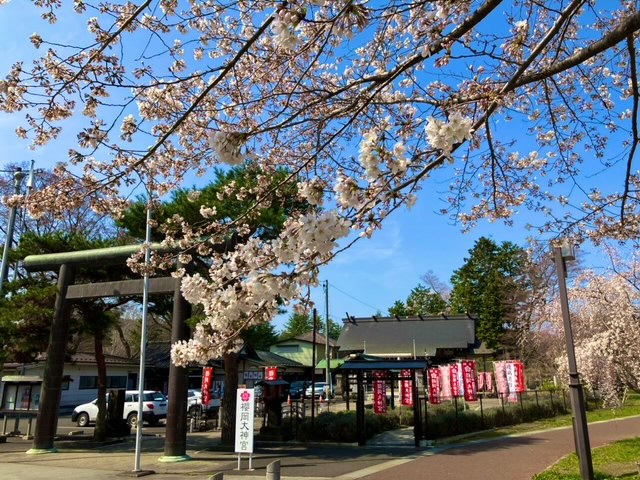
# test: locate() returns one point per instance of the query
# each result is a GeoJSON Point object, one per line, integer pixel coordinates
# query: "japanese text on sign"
{"type": "Point", "coordinates": [245, 407]}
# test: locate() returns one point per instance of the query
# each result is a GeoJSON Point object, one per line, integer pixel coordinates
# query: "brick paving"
{"type": "Point", "coordinates": [391, 456]}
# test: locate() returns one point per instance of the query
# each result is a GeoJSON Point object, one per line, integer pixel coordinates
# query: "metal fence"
{"type": "Point", "coordinates": [457, 416]}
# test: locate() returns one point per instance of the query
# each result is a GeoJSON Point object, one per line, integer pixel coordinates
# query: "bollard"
{"type": "Point", "coordinates": [192, 425]}
{"type": "Point", "coordinates": [216, 476]}
{"type": "Point", "coordinates": [273, 470]}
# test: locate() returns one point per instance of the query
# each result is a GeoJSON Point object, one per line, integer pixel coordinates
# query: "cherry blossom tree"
{"type": "Point", "coordinates": [362, 102]}
{"type": "Point", "coordinates": [605, 313]}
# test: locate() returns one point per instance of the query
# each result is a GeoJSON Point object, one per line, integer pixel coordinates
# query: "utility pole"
{"type": "Point", "coordinates": [18, 176]}
{"type": "Point", "coordinates": [23, 214]}
{"type": "Point", "coordinates": [327, 348]}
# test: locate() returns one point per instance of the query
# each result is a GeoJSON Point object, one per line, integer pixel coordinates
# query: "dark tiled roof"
{"type": "Point", "coordinates": [267, 359]}
{"type": "Point", "coordinates": [158, 354]}
{"type": "Point", "coordinates": [407, 336]}
{"type": "Point", "coordinates": [262, 358]}
{"type": "Point", "coordinates": [90, 358]}
{"type": "Point", "coordinates": [85, 357]}
{"type": "Point", "coordinates": [308, 337]}
{"type": "Point", "coordinates": [351, 365]}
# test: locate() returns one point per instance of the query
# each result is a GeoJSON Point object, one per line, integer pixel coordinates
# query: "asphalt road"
{"type": "Point", "coordinates": [65, 425]}
{"type": "Point", "coordinates": [512, 458]}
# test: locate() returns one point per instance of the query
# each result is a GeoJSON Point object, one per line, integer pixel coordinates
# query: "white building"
{"type": "Point", "coordinates": [80, 383]}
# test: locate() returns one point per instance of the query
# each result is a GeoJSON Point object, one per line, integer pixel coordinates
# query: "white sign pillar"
{"type": "Point", "coordinates": [245, 409]}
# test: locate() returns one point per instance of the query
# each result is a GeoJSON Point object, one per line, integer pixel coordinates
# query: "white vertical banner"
{"type": "Point", "coordinates": [245, 406]}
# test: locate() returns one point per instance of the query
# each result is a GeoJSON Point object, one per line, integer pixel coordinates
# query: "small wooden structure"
{"type": "Point", "coordinates": [20, 398]}
{"type": "Point", "coordinates": [363, 366]}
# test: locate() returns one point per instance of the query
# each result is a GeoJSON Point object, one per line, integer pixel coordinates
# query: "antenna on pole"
{"type": "Point", "coordinates": [23, 210]}
{"type": "Point", "coordinates": [18, 176]}
{"type": "Point", "coordinates": [31, 179]}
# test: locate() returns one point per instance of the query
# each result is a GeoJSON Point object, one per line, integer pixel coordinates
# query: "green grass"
{"type": "Point", "coordinates": [630, 409]}
{"type": "Point", "coordinates": [617, 460]}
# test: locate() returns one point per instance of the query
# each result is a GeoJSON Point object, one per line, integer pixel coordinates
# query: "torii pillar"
{"type": "Point", "coordinates": [47, 419]}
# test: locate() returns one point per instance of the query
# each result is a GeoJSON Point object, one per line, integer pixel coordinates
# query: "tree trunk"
{"type": "Point", "coordinates": [100, 432]}
{"type": "Point", "coordinates": [228, 420]}
{"type": "Point", "coordinates": [123, 340]}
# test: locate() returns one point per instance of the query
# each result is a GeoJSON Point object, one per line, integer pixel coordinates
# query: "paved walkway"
{"type": "Point", "coordinates": [391, 456]}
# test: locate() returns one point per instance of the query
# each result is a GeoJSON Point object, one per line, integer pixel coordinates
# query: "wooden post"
{"type": "Point", "coordinates": [360, 421]}
{"type": "Point", "coordinates": [175, 444]}
{"type": "Point", "coordinates": [417, 424]}
{"type": "Point", "coordinates": [47, 421]}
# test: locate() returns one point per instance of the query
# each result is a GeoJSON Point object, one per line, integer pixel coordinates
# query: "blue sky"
{"type": "Point", "coordinates": [376, 272]}
{"type": "Point", "coordinates": [363, 280]}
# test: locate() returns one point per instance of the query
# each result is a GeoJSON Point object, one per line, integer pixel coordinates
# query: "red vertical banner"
{"type": "Point", "coordinates": [379, 392]}
{"type": "Point", "coordinates": [434, 385]}
{"type": "Point", "coordinates": [488, 380]}
{"type": "Point", "coordinates": [501, 378]}
{"type": "Point", "coordinates": [207, 381]}
{"type": "Point", "coordinates": [454, 370]}
{"type": "Point", "coordinates": [271, 373]}
{"type": "Point", "coordinates": [469, 380]}
{"type": "Point", "coordinates": [406, 388]}
{"type": "Point", "coordinates": [521, 386]}
{"type": "Point", "coordinates": [481, 383]}
{"type": "Point", "coordinates": [445, 382]}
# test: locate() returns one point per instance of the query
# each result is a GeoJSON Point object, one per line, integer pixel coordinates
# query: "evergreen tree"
{"type": "Point", "coordinates": [335, 329]}
{"type": "Point", "coordinates": [34, 298]}
{"type": "Point", "coordinates": [488, 285]}
{"type": "Point", "coordinates": [297, 324]}
{"type": "Point", "coordinates": [260, 337]}
{"type": "Point", "coordinates": [25, 319]}
{"type": "Point", "coordinates": [263, 221]}
{"type": "Point", "coordinates": [421, 301]}
{"type": "Point", "coordinates": [399, 309]}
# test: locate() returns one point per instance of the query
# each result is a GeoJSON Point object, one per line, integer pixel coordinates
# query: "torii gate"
{"type": "Point", "coordinates": [47, 420]}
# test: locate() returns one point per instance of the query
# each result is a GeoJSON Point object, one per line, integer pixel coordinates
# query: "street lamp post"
{"type": "Point", "coordinates": [576, 393]}
{"type": "Point", "coordinates": [18, 176]}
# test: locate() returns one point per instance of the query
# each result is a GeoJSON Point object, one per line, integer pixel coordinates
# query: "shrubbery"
{"type": "Point", "coordinates": [341, 426]}
{"type": "Point", "coordinates": [442, 420]}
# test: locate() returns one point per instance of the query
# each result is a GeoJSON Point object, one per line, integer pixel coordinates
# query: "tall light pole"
{"type": "Point", "coordinates": [18, 176]}
{"type": "Point", "coordinates": [143, 337]}
{"type": "Point", "coordinates": [562, 254]}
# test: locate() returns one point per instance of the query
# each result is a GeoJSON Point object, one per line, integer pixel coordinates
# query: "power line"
{"type": "Point", "coordinates": [354, 298]}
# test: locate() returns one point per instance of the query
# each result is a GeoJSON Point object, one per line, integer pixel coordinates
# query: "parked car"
{"type": "Point", "coordinates": [297, 388]}
{"type": "Point", "coordinates": [195, 406]}
{"type": "Point", "coordinates": [154, 409]}
{"type": "Point", "coordinates": [319, 390]}
{"type": "Point", "coordinates": [194, 397]}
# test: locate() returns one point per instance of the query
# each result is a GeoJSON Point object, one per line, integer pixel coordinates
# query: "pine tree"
{"type": "Point", "coordinates": [487, 285]}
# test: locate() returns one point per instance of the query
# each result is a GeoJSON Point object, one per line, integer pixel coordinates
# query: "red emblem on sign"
{"type": "Point", "coordinates": [245, 396]}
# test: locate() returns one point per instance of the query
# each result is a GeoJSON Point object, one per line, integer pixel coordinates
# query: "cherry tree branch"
{"type": "Point", "coordinates": [634, 123]}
